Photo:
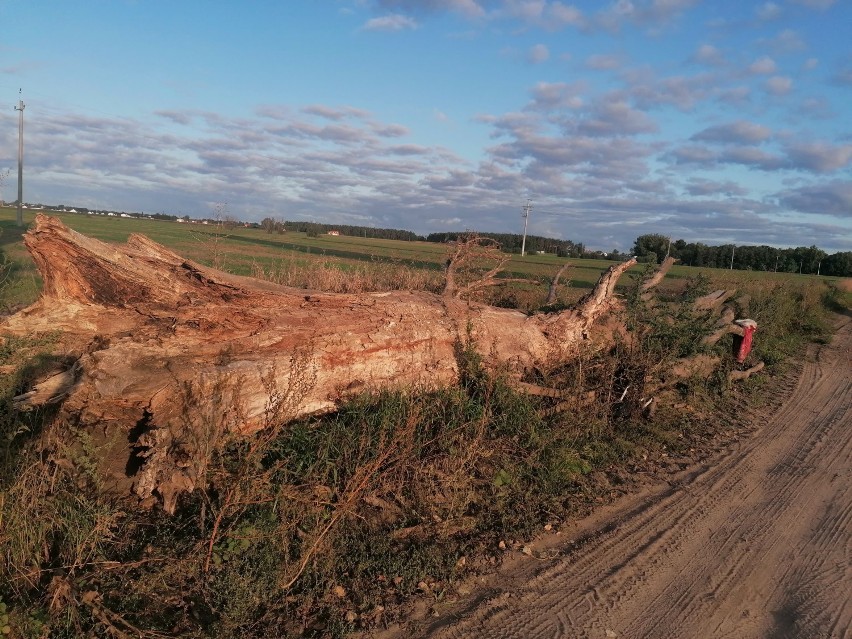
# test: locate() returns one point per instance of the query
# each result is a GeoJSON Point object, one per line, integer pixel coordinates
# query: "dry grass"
{"type": "Point", "coordinates": [334, 276]}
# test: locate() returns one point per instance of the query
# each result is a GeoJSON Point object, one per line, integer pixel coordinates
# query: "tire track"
{"type": "Point", "coordinates": [754, 545]}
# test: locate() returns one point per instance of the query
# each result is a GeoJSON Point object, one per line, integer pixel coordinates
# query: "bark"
{"type": "Point", "coordinates": [176, 355]}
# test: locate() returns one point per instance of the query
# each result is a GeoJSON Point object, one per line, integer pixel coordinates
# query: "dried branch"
{"type": "Point", "coordinates": [656, 278]}
{"type": "Point", "coordinates": [740, 375]}
{"type": "Point", "coordinates": [469, 251]}
{"type": "Point", "coordinates": [554, 284]}
{"type": "Point", "coordinates": [712, 301]}
{"type": "Point", "coordinates": [601, 296]}
{"type": "Point", "coordinates": [540, 391]}
{"type": "Point", "coordinates": [715, 336]}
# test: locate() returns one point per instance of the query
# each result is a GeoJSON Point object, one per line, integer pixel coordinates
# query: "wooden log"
{"type": "Point", "coordinates": [175, 354]}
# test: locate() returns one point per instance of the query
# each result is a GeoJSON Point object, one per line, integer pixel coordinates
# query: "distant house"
{"type": "Point", "coordinates": [334, 232]}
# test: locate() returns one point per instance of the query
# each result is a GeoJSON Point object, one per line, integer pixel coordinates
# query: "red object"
{"type": "Point", "coordinates": [742, 343]}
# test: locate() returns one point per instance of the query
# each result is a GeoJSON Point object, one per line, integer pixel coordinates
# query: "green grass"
{"type": "Point", "coordinates": [245, 251]}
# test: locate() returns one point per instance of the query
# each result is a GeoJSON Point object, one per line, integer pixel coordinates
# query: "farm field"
{"type": "Point", "coordinates": [325, 262]}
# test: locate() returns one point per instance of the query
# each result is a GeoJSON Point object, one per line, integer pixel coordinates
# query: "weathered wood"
{"type": "Point", "coordinates": [655, 278]}
{"type": "Point", "coordinates": [176, 354]}
{"type": "Point", "coordinates": [552, 291]}
{"type": "Point", "coordinates": [734, 376]}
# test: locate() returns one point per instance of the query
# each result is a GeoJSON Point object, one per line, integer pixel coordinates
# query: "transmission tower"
{"type": "Point", "coordinates": [526, 215]}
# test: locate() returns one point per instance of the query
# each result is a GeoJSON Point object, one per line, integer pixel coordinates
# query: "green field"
{"type": "Point", "coordinates": [290, 258]}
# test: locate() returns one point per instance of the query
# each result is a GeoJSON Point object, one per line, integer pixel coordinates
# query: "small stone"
{"type": "Point", "coordinates": [461, 561]}
{"type": "Point", "coordinates": [548, 527]}
{"type": "Point", "coordinates": [527, 551]}
{"type": "Point", "coordinates": [502, 545]}
{"type": "Point", "coordinates": [340, 591]}
{"type": "Point", "coordinates": [611, 634]}
{"type": "Point", "coordinates": [351, 616]}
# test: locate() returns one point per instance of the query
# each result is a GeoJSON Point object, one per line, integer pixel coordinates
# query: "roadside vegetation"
{"type": "Point", "coordinates": [331, 524]}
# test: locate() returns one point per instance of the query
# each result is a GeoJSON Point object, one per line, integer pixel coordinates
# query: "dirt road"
{"type": "Point", "coordinates": [756, 544]}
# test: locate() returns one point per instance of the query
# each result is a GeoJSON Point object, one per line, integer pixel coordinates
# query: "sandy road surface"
{"type": "Point", "coordinates": [758, 544]}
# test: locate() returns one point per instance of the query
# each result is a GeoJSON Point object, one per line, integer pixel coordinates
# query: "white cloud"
{"type": "Point", "coordinates": [538, 54]}
{"type": "Point", "coordinates": [601, 62]}
{"type": "Point", "coordinates": [527, 10]}
{"type": "Point", "coordinates": [563, 14]}
{"type": "Point", "coordinates": [763, 66]}
{"type": "Point", "coordinates": [701, 187]}
{"type": "Point", "coordinates": [820, 157]}
{"type": "Point", "coordinates": [768, 11]}
{"type": "Point", "coordinates": [787, 41]}
{"type": "Point", "coordinates": [708, 54]}
{"type": "Point", "coordinates": [393, 22]}
{"type": "Point", "coordinates": [830, 198]}
{"type": "Point", "coordinates": [739, 132]}
{"type": "Point", "coordinates": [611, 117]}
{"type": "Point", "coordinates": [779, 85]}
{"type": "Point", "coordinates": [467, 8]}
{"type": "Point", "coordinates": [822, 5]}
{"type": "Point", "coordinates": [842, 76]}
{"type": "Point", "coordinates": [556, 95]}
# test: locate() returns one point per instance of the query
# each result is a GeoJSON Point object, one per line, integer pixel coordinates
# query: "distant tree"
{"type": "Point", "coordinates": [268, 225]}
{"type": "Point", "coordinates": [839, 264]}
{"type": "Point", "coordinates": [653, 243]}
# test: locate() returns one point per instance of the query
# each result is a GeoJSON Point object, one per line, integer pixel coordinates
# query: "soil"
{"type": "Point", "coordinates": [754, 541]}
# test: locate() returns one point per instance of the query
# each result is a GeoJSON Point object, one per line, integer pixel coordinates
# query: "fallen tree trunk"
{"type": "Point", "coordinates": [175, 355]}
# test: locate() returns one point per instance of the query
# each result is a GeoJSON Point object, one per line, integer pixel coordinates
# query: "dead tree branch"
{"type": "Point", "coordinates": [554, 284]}
{"type": "Point", "coordinates": [655, 278]}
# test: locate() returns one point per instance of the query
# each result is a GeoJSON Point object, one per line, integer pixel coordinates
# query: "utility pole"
{"type": "Point", "coordinates": [20, 108]}
{"type": "Point", "coordinates": [526, 215]}
{"type": "Point", "coordinates": [733, 246]}
{"type": "Point", "coordinates": [776, 260]}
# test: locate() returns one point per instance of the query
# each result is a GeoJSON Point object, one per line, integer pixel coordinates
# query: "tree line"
{"type": "Point", "coordinates": [511, 243]}
{"type": "Point", "coordinates": [312, 229]}
{"type": "Point", "coordinates": [803, 259]}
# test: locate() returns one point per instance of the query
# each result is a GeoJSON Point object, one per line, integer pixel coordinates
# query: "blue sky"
{"type": "Point", "coordinates": [709, 121]}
